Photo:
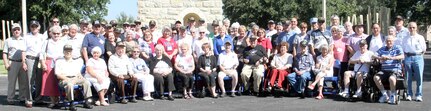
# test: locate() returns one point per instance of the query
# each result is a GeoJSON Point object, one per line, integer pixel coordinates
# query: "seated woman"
{"type": "Point", "coordinates": [280, 64]}
{"type": "Point", "coordinates": [325, 68]}
{"type": "Point", "coordinates": [185, 66]}
{"type": "Point", "coordinates": [228, 62]}
{"type": "Point", "coordinates": [207, 66]}
{"type": "Point", "coordinates": [142, 72]}
{"type": "Point", "coordinates": [97, 74]}
{"type": "Point", "coordinates": [161, 68]}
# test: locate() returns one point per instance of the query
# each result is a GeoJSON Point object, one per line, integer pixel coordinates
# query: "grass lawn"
{"type": "Point", "coordinates": [3, 71]}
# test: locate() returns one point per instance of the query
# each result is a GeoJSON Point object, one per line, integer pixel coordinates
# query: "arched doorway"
{"type": "Point", "coordinates": [189, 15]}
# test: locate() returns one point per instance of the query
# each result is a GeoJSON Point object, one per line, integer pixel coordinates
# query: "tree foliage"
{"type": "Point", "coordinates": [123, 17]}
{"type": "Point", "coordinates": [68, 11]}
{"type": "Point", "coordinates": [260, 11]}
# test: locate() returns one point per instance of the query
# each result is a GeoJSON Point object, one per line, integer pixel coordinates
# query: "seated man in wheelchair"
{"type": "Point", "coordinates": [68, 71]}
{"type": "Point", "coordinates": [362, 60]}
{"type": "Point", "coordinates": [390, 57]}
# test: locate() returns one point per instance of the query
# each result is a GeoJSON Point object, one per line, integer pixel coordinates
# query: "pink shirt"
{"type": "Point", "coordinates": [340, 50]}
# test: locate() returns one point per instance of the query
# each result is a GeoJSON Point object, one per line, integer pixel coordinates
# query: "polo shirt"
{"type": "Point", "coordinates": [14, 46]}
{"type": "Point", "coordinates": [68, 67]}
{"type": "Point", "coordinates": [218, 43]}
{"type": "Point", "coordinates": [390, 65]}
{"type": "Point", "coordinates": [169, 46]}
{"type": "Point", "coordinates": [91, 40]}
{"type": "Point", "coordinates": [265, 42]}
{"type": "Point", "coordinates": [303, 62]}
{"type": "Point", "coordinates": [286, 37]}
{"type": "Point", "coordinates": [414, 44]}
{"type": "Point", "coordinates": [33, 44]}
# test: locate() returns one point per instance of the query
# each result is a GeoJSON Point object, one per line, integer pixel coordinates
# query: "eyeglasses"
{"type": "Point", "coordinates": [192, 32]}
{"type": "Point", "coordinates": [56, 33]}
{"type": "Point", "coordinates": [412, 27]}
{"type": "Point", "coordinates": [55, 21]}
{"type": "Point", "coordinates": [202, 32]}
{"type": "Point", "coordinates": [135, 51]}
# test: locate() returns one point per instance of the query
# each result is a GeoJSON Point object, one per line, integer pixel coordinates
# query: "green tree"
{"type": "Point", "coordinates": [123, 17]}
{"type": "Point", "coordinates": [68, 11]}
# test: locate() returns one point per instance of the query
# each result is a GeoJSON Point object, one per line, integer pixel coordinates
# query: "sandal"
{"type": "Point", "coordinates": [104, 104]}
{"type": "Point", "coordinates": [185, 96]}
{"type": "Point", "coordinates": [97, 103]}
{"type": "Point", "coordinates": [191, 96]}
{"type": "Point", "coordinates": [319, 97]}
{"type": "Point", "coordinates": [311, 87]}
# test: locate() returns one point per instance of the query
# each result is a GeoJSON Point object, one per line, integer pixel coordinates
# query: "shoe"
{"type": "Point", "coordinates": [185, 96]}
{"type": "Point", "coordinates": [302, 95]}
{"type": "Point", "coordinates": [10, 103]}
{"type": "Point", "coordinates": [163, 98]}
{"type": "Point", "coordinates": [191, 96]}
{"type": "Point", "coordinates": [88, 105]}
{"type": "Point", "coordinates": [28, 104]}
{"type": "Point", "coordinates": [357, 95]}
{"type": "Point", "coordinates": [319, 97]}
{"type": "Point", "coordinates": [391, 99]}
{"type": "Point", "coordinates": [104, 104]}
{"type": "Point", "coordinates": [268, 89]}
{"type": "Point", "coordinates": [215, 96]}
{"type": "Point", "coordinates": [133, 100]}
{"type": "Point", "coordinates": [171, 98]}
{"type": "Point", "coordinates": [311, 87]}
{"type": "Point", "coordinates": [223, 95]}
{"type": "Point", "coordinates": [123, 101]}
{"type": "Point", "coordinates": [419, 98]}
{"type": "Point", "coordinates": [384, 98]}
{"type": "Point", "coordinates": [72, 107]}
{"type": "Point", "coordinates": [233, 94]}
{"type": "Point", "coordinates": [344, 94]}
{"type": "Point", "coordinates": [409, 98]}
{"type": "Point", "coordinates": [97, 103]}
{"type": "Point", "coordinates": [53, 106]}
{"type": "Point", "coordinates": [148, 98]}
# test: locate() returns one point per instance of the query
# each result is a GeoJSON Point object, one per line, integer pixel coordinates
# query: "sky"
{"type": "Point", "coordinates": [130, 7]}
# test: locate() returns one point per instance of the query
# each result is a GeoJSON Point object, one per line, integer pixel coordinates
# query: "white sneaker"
{"type": "Point", "coordinates": [419, 98]}
{"type": "Point", "coordinates": [97, 103]}
{"type": "Point", "coordinates": [344, 94]}
{"type": "Point", "coordinates": [384, 98]}
{"type": "Point", "coordinates": [357, 95]}
{"type": "Point", "coordinates": [391, 99]}
{"type": "Point", "coordinates": [409, 98]}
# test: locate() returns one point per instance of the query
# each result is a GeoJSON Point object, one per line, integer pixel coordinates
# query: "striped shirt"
{"type": "Point", "coordinates": [391, 65]}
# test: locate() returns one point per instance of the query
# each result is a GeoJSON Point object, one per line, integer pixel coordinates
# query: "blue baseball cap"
{"type": "Point", "coordinates": [313, 20]}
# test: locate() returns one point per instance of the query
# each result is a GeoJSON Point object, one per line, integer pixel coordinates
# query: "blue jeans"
{"type": "Point", "coordinates": [298, 81]}
{"type": "Point", "coordinates": [414, 65]}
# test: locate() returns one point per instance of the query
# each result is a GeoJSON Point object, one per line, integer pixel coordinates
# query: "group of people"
{"type": "Point", "coordinates": [286, 55]}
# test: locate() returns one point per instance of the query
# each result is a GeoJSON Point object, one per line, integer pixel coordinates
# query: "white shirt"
{"type": "Point", "coordinates": [33, 44]}
{"type": "Point", "coordinates": [269, 33]}
{"type": "Point", "coordinates": [99, 67]}
{"type": "Point", "coordinates": [414, 44]}
{"type": "Point", "coordinates": [365, 57]}
{"type": "Point", "coordinates": [14, 47]}
{"type": "Point", "coordinates": [119, 65]}
{"type": "Point", "coordinates": [296, 30]}
{"type": "Point", "coordinates": [184, 62]}
{"type": "Point", "coordinates": [76, 43]}
{"type": "Point", "coordinates": [54, 49]}
{"type": "Point", "coordinates": [139, 66]}
{"type": "Point", "coordinates": [228, 60]}
{"type": "Point", "coordinates": [197, 46]}
{"type": "Point", "coordinates": [282, 61]}
{"type": "Point", "coordinates": [156, 35]}
{"type": "Point", "coordinates": [68, 67]}
{"type": "Point", "coordinates": [376, 43]}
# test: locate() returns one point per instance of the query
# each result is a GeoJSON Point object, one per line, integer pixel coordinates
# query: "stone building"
{"type": "Point", "coordinates": [166, 12]}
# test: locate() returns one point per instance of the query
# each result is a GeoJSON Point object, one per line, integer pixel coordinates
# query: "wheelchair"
{"type": "Point", "coordinates": [400, 86]}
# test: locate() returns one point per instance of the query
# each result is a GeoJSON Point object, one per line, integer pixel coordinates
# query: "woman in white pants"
{"type": "Point", "coordinates": [142, 73]}
{"type": "Point", "coordinates": [97, 74]}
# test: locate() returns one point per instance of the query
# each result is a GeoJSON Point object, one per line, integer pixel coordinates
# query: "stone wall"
{"type": "Point", "coordinates": [166, 12]}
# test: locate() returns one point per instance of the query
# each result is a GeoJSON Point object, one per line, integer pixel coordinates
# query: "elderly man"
{"type": "Point", "coordinates": [294, 25]}
{"type": "Point", "coordinates": [349, 29]}
{"type": "Point", "coordinates": [83, 27]}
{"type": "Point", "coordinates": [286, 36]}
{"type": "Point", "coordinates": [335, 21]}
{"type": "Point", "coordinates": [75, 39]}
{"type": "Point", "coordinates": [13, 62]}
{"type": "Point", "coordinates": [68, 72]}
{"type": "Point", "coordinates": [319, 38]}
{"type": "Point", "coordinates": [254, 56]}
{"type": "Point", "coordinates": [302, 66]}
{"type": "Point", "coordinates": [156, 33]}
{"type": "Point", "coordinates": [92, 40]}
{"type": "Point", "coordinates": [353, 42]}
{"type": "Point", "coordinates": [376, 40]}
{"type": "Point", "coordinates": [122, 69]}
{"type": "Point", "coordinates": [401, 31]}
{"type": "Point", "coordinates": [33, 44]}
{"type": "Point", "coordinates": [390, 57]}
{"type": "Point", "coordinates": [414, 48]}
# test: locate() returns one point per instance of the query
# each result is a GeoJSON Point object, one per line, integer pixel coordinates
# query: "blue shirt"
{"type": "Point", "coordinates": [219, 44]}
{"type": "Point", "coordinates": [319, 38]}
{"type": "Point", "coordinates": [303, 62]}
{"type": "Point", "coordinates": [404, 32]}
{"type": "Point", "coordinates": [391, 65]}
{"type": "Point", "coordinates": [286, 37]}
{"type": "Point", "coordinates": [91, 40]}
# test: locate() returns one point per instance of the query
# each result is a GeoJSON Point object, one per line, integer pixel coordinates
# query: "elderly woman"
{"type": "Point", "coordinates": [147, 45]}
{"type": "Point", "coordinates": [142, 72]}
{"type": "Point", "coordinates": [220, 40]}
{"type": "Point", "coordinates": [339, 50]}
{"type": "Point", "coordinates": [324, 68]}
{"type": "Point", "coordinates": [168, 43]}
{"type": "Point", "coordinates": [130, 42]}
{"type": "Point", "coordinates": [280, 65]}
{"type": "Point", "coordinates": [51, 50]}
{"type": "Point", "coordinates": [197, 44]}
{"type": "Point", "coordinates": [161, 68]}
{"type": "Point", "coordinates": [207, 66]}
{"type": "Point", "coordinates": [184, 64]}
{"type": "Point", "coordinates": [97, 74]}
{"type": "Point", "coordinates": [109, 45]}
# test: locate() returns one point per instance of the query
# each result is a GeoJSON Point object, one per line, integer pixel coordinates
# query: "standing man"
{"type": "Point", "coordinates": [92, 40]}
{"type": "Point", "coordinates": [33, 45]}
{"type": "Point", "coordinates": [294, 25]}
{"type": "Point", "coordinates": [319, 38]}
{"type": "Point", "coordinates": [15, 65]}
{"type": "Point", "coordinates": [192, 25]}
{"type": "Point", "coordinates": [414, 48]}
{"type": "Point", "coordinates": [400, 29]}
{"type": "Point", "coordinates": [335, 21]}
{"type": "Point", "coordinates": [153, 28]}
{"type": "Point", "coordinates": [377, 40]}
{"type": "Point", "coordinates": [83, 27]}
{"type": "Point", "coordinates": [74, 39]}
{"type": "Point", "coordinates": [286, 36]}
{"type": "Point", "coordinates": [271, 29]}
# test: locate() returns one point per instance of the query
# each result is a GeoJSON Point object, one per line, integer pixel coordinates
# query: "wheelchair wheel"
{"type": "Point", "coordinates": [404, 95]}
{"type": "Point", "coordinates": [397, 100]}
{"type": "Point", "coordinates": [371, 97]}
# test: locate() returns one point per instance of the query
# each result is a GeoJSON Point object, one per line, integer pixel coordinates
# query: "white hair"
{"type": "Point", "coordinates": [235, 25]}
{"type": "Point", "coordinates": [73, 26]}
{"type": "Point", "coordinates": [55, 29]}
{"type": "Point", "coordinates": [96, 49]}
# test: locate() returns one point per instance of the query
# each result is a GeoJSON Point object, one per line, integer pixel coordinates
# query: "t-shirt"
{"type": "Point", "coordinates": [391, 65]}
{"type": "Point", "coordinates": [319, 38]}
{"type": "Point", "coordinates": [298, 39]}
{"type": "Point", "coordinates": [99, 67]}
{"type": "Point", "coordinates": [340, 52]}
{"type": "Point", "coordinates": [169, 46]}
{"type": "Point", "coordinates": [367, 56]}
{"type": "Point", "coordinates": [354, 41]}
{"type": "Point", "coordinates": [184, 62]}
{"type": "Point", "coordinates": [282, 60]}
{"type": "Point", "coordinates": [254, 54]}
{"type": "Point", "coordinates": [228, 60]}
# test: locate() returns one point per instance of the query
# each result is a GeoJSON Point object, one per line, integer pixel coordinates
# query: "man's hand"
{"type": "Point", "coordinates": [299, 73]}
{"type": "Point", "coordinates": [246, 61]}
{"type": "Point", "coordinates": [6, 66]}
{"type": "Point", "coordinates": [24, 66]}
{"type": "Point", "coordinates": [99, 80]}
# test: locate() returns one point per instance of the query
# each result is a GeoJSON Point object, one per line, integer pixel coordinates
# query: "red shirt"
{"type": "Point", "coordinates": [265, 42]}
{"type": "Point", "coordinates": [170, 45]}
{"type": "Point", "coordinates": [340, 50]}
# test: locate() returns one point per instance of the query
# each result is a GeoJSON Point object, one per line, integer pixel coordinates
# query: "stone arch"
{"type": "Point", "coordinates": [189, 15]}
{"type": "Point", "coordinates": [191, 12]}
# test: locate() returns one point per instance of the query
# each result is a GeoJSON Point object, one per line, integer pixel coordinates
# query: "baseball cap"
{"type": "Point", "coordinates": [177, 22]}
{"type": "Point", "coordinates": [202, 20]}
{"type": "Point", "coordinates": [144, 27]}
{"type": "Point", "coordinates": [65, 27]}
{"type": "Point", "coordinates": [252, 38]}
{"type": "Point", "coordinates": [34, 22]}
{"type": "Point", "coordinates": [113, 22]}
{"type": "Point", "coordinates": [120, 44]}
{"type": "Point", "coordinates": [152, 22]}
{"type": "Point", "coordinates": [215, 23]}
{"type": "Point", "coordinates": [67, 47]}
{"type": "Point", "coordinates": [313, 20]}
{"type": "Point", "coordinates": [16, 25]}
{"type": "Point", "coordinates": [183, 28]}
{"type": "Point", "coordinates": [227, 43]}
{"type": "Point", "coordinates": [399, 17]}
{"type": "Point", "coordinates": [84, 22]}
{"type": "Point", "coordinates": [96, 22]}
{"type": "Point", "coordinates": [191, 19]}
{"type": "Point", "coordinates": [137, 21]}
{"type": "Point", "coordinates": [117, 30]}
{"type": "Point", "coordinates": [271, 22]}
{"type": "Point", "coordinates": [126, 23]}
{"type": "Point", "coordinates": [303, 43]}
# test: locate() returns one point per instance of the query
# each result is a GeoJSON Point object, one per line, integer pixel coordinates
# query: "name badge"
{"type": "Point", "coordinates": [238, 43]}
{"type": "Point", "coordinates": [222, 48]}
{"type": "Point", "coordinates": [139, 67]}
{"type": "Point", "coordinates": [169, 48]}
{"type": "Point", "coordinates": [339, 50]}
{"type": "Point", "coordinates": [207, 68]}
{"type": "Point", "coordinates": [102, 42]}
